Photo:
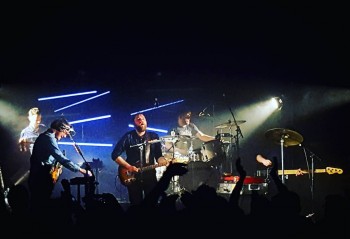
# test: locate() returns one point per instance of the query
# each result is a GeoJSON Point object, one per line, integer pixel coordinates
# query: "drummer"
{"type": "Point", "coordinates": [186, 127]}
{"type": "Point", "coordinates": [199, 171]}
{"type": "Point", "coordinates": [186, 131]}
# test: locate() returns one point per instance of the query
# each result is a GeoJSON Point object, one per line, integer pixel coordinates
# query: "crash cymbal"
{"type": "Point", "coordinates": [229, 124]}
{"type": "Point", "coordinates": [289, 137]}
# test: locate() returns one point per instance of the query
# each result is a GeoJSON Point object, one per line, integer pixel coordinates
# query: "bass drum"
{"type": "Point", "coordinates": [199, 173]}
{"type": "Point", "coordinates": [213, 152]}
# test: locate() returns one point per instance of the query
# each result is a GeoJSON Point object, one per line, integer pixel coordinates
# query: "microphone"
{"type": "Point", "coordinates": [71, 131]}
{"type": "Point", "coordinates": [156, 103]}
{"type": "Point", "coordinates": [202, 113]}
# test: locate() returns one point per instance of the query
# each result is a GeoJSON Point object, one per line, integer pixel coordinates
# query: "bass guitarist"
{"type": "Point", "coordinates": [143, 154]}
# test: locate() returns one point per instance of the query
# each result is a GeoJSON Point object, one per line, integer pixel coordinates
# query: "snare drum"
{"type": "Point", "coordinates": [213, 152]}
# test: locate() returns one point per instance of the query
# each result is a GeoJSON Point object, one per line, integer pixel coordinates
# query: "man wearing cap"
{"type": "Point", "coordinates": [186, 127]}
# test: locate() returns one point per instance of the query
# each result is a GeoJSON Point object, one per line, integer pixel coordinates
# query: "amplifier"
{"type": "Point", "coordinates": [227, 187]}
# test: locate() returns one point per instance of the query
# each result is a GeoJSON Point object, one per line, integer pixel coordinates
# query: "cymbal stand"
{"type": "Point", "coordinates": [282, 158]}
{"type": "Point", "coordinates": [175, 184]}
{"type": "Point", "coordinates": [236, 137]}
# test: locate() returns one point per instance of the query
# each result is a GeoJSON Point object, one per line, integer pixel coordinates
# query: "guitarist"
{"type": "Point", "coordinates": [46, 154]}
{"type": "Point", "coordinates": [140, 152]}
{"type": "Point", "coordinates": [31, 132]}
{"type": "Point", "coordinates": [26, 141]}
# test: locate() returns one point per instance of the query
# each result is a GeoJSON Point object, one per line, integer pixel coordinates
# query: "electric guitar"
{"type": "Point", "coordinates": [56, 171]}
{"type": "Point", "coordinates": [126, 177]}
{"type": "Point", "coordinates": [328, 170]}
{"type": "Point", "coordinates": [24, 143]}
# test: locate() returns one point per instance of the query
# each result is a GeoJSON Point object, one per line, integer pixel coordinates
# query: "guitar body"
{"type": "Point", "coordinates": [126, 177]}
{"type": "Point", "coordinates": [56, 171]}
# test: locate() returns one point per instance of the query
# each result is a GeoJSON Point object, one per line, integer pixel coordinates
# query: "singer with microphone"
{"type": "Point", "coordinates": [45, 159]}
{"type": "Point", "coordinates": [143, 150]}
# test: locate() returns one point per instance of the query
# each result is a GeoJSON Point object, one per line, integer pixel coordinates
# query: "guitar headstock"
{"type": "Point", "coordinates": [330, 170]}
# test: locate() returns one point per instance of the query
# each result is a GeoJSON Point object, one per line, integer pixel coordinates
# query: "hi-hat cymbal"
{"type": "Point", "coordinates": [230, 124]}
{"type": "Point", "coordinates": [289, 137]}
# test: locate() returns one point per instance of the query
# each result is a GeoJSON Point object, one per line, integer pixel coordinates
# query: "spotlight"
{"type": "Point", "coordinates": [277, 102]}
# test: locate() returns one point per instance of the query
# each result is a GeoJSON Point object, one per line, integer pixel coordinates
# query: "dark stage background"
{"type": "Point", "coordinates": [218, 58]}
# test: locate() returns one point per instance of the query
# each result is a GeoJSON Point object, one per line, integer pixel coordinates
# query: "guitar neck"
{"type": "Point", "coordinates": [327, 170]}
{"type": "Point", "coordinates": [153, 166]}
{"type": "Point", "coordinates": [295, 171]}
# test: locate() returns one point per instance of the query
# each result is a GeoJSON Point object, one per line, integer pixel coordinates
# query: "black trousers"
{"type": "Point", "coordinates": [143, 185]}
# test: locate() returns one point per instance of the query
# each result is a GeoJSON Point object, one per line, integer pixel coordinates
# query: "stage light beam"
{"type": "Point", "coordinates": [87, 144]}
{"type": "Point", "coordinates": [90, 119]}
{"type": "Point", "coordinates": [157, 107]}
{"type": "Point", "coordinates": [65, 96]}
{"type": "Point", "coordinates": [77, 103]}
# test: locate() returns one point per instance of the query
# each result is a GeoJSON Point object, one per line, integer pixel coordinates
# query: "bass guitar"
{"type": "Point", "coordinates": [126, 177]}
{"type": "Point", "coordinates": [297, 172]}
{"type": "Point", "coordinates": [327, 170]}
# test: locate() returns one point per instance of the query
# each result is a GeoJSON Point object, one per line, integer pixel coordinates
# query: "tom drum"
{"type": "Point", "coordinates": [213, 152]}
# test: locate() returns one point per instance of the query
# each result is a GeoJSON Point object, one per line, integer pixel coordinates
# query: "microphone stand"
{"type": "Point", "coordinates": [175, 179]}
{"type": "Point", "coordinates": [89, 187]}
{"type": "Point", "coordinates": [312, 187]}
{"type": "Point", "coordinates": [141, 147]}
{"type": "Point", "coordinates": [236, 137]}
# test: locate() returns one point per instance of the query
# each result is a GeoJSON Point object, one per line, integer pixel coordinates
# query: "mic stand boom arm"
{"type": "Point", "coordinates": [141, 146]}
{"type": "Point", "coordinates": [88, 190]}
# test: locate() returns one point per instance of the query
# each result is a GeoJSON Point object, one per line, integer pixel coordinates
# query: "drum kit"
{"type": "Point", "coordinates": [209, 156]}
{"type": "Point", "coordinates": [212, 155]}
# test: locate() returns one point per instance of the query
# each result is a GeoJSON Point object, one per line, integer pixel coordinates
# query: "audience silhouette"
{"type": "Point", "coordinates": [202, 211]}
